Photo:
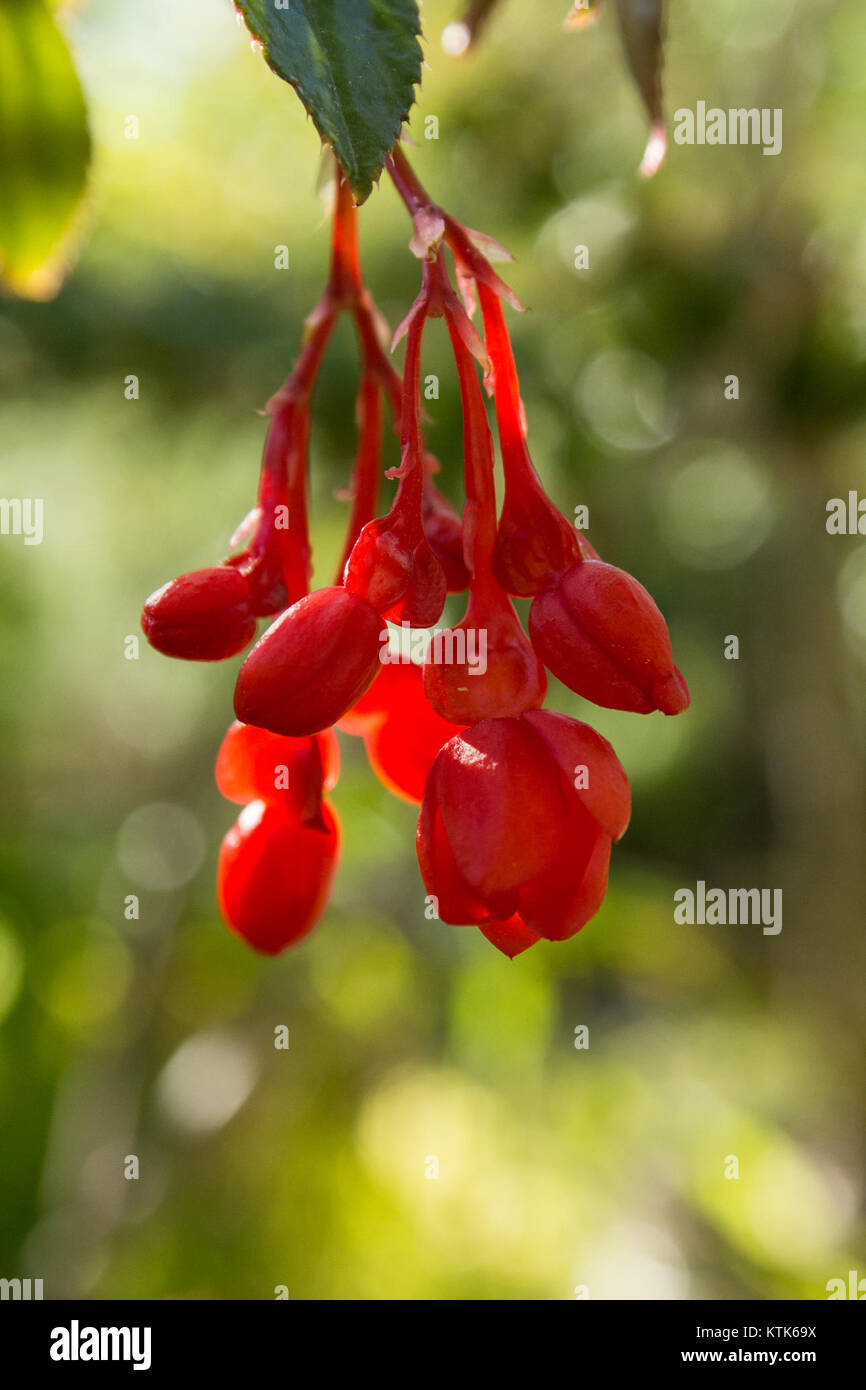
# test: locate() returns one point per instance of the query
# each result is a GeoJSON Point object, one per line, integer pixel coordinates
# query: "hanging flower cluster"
{"type": "Point", "coordinates": [519, 805]}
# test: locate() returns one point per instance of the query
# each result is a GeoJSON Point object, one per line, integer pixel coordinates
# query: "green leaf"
{"type": "Point", "coordinates": [44, 149]}
{"type": "Point", "coordinates": [353, 63]}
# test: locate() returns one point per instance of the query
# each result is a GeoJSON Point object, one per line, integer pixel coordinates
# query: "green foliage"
{"type": "Point", "coordinates": [44, 148]}
{"type": "Point", "coordinates": [353, 63]}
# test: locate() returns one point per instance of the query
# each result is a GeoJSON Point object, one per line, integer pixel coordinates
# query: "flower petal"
{"type": "Point", "coordinates": [582, 755]}
{"type": "Point", "coordinates": [511, 936]}
{"type": "Point", "coordinates": [502, 805]}
{"type": "Point", "coordinates": [558, 908]}
{"type": "Point", "coordinates": [455, 901]}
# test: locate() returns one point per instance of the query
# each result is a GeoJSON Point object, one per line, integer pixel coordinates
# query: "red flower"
{"type": "Point", "coordinates": [402, 732]}
{"type": "Point", "coordinates": [599, 631]}
{"type": "Point", "coordinates": [397, 572]}
{"type": "Point", "coordinates": [311, 665]}
{"type": "Point", "coordinates": [275, 874]}
{"type": "Point", "coordinates": [201, 616]}
{"type": "Point", "coordinates": [484, 666]}
{"type": "Point", "coordinates": [517, 819]}
{"type": "Point", "coordinates": [534, 540]}
{"type": "Point", "coordinates": [255, 765]}
{"type": "Point", "coordinates": [519, 806]}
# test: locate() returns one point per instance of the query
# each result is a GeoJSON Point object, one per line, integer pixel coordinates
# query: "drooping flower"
{"type": "Point", "coordinates": [518, 819]}
{"type": "Point", "coordinates": [275, 874]}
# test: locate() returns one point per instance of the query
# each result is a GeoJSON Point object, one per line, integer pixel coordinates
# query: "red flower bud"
{"type": "Point", "coordinates": [518, 818]}
{"type": "Point", "coordinates": [400, 577]}
{"type": "Point", "coordinates": [275, 874]}
{"type": "Point", "coordinates": [599, 631]}
{"type": "Point", "coordinates": [255, 765]}
{"type": "Point", "coordinates": [311, 665]}
{"type": "Point", "coordinates": [534, 540]}
{"type": "Point", "coordinates": [484, 667]}
{"type": "Point", "coordinates": [201, 616]}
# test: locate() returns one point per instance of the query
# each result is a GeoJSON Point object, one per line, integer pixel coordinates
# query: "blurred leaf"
{"type": "Point", "coordinates": [44, 149]}
{"type": "Point", "coordinates": [642, 24]}
{"type": "Point", "coordinates": [353, 63]}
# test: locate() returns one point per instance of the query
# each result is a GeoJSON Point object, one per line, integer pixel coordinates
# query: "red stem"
{"type": "Point", "coordinates": [506, 388]}
{"type": "Point", "coordinates": [297, 550]}
{"type": "Point", "coordinates": [518, 466]}
{"type": "Point", "coordinates": [464, 250]}
{"type": "Point", "coordinates": [345, 279]}
{"type": "Point", "coordinates": [283, 480]}
{"type": "Point", "coordinates": [406, 181]}
{"type": "Point", "coordinates": [365, 478]}
{"type": "Point", "coordinates": [407, 503]}
{"type": "Point", "coordinates": [480, 514]}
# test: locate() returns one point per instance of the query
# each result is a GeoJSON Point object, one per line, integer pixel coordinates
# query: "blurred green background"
{"type": "Point", "coordinates": [559, 1169]}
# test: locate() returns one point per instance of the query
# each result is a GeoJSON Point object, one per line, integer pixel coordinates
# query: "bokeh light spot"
{"type": "Point", "coordinates": [717, 510]}
{"type": "Point", "coordinates": [624, 398]}
{"type": "Point", "coordinates": [206, 1082]}
{"type": "Point", "coordinates": [160, 846]}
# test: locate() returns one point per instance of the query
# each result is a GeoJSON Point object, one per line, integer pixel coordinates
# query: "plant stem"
{"type": "Point", "coordinates": [365, 476]}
